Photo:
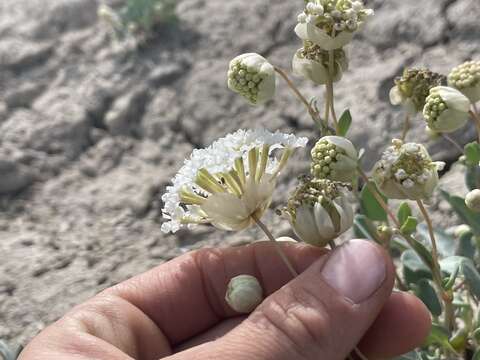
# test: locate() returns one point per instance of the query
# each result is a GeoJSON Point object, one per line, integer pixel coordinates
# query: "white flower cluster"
{"type": "Point", "coordinates": [406, 171]}
{"type": "Point", "coordinates": [331, 23]}
{"type": "Point", "coordinates": [215, 186]}
{"type": "Point", "coordinates": [466, 78]}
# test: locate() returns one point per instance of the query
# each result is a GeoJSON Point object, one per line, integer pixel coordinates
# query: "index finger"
{"type": "Point", "coordinates": [185, 296]}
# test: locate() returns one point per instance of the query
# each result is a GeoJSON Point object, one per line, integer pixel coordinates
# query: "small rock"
{"type": "Point", "coordinates": [167, 74]}
{"type": "Point", "coordinates": [14, 177]}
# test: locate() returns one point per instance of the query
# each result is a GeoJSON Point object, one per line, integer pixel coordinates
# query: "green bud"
{"type": "Point", "coordinates": [244, 293]}
{"type": "Point", "coordinates": [466, 78]}
{"type": "Point", "coordinates": [472, 200]}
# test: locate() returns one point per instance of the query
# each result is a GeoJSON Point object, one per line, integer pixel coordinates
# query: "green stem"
{"type": "Point", "coordinates": [476, 119]}
{"type": "Point", "coordinates": [437, 276]}
{"type": "Point", "coordinates": [330, 95]}
{"type": "Point", "coordinates": [280, 252]}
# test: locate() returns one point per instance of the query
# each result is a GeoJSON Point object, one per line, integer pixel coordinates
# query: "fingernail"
{"type": "Point", "coordinates": [355, 270]}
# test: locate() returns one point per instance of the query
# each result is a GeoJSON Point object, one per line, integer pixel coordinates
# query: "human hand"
{"type": "Point", "coordinates": [177, 311]}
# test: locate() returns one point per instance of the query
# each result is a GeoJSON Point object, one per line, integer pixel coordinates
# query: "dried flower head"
{"type": "Point", "coordinates": [446, 109]}
{"type": "Point", "coordinates": [413, 87]}
{"type": "Point", "coordinates": [319, 210]}
{"type": "Point", "coordinates": [466, 78]}
{"type": "Point", "coordinates": [334, 158]}
{"type": "Point", "coordinates": [311, 62]}
{"type": "Point", "coordinates": [406, 171]}
{"type": "Point", "coordinates": [331, 23]}
{"type": "Point", "coordinates": [253, 77]}
{"type": "Point", "coordinates": [229, 182]}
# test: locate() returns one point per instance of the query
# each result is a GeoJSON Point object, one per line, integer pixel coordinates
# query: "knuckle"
{"type": "Point", "coordinates": [300, 318]}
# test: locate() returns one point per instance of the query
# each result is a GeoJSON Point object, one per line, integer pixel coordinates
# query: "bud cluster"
{"type": "Point", "coordinates": [466, 78]}
{"type": "Point", "coordinates": [413, 87]}
{"type": "Point", "coordinates": [406, 171]}
{"type": "Point", "coordinates": [253, 77]}
{"type": "Point", "coordinates": [446, 109]}
{"type": "Point", "coordinates": [333, 158]}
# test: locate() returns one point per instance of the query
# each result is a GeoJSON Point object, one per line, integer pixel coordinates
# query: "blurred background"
{"type": "Point", "coordinates": [92, 129]}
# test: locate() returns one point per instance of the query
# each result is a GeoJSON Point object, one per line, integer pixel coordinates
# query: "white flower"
{"type": "Point", "coordinates": [244, 293]}
{"type": "Point", "coordinates": [446, 109]}
{"type": "Point", "coordinates": [466, 78]}
{"type": "Point", "coordinates": [335, 22]}
{"type": "Point", "coordinates": [413, 87]}
{"type": "Point", "coordinates": [311, 62]}
{"type": "Point", "coordinates": [253, 77]}
{"type": "Point", "coordinates": [334, 158]}
{"type": "Point", "coordinates": [406, 171]}
{"type": "Point", "coordinates": [229, 182]}
{"type": "Point", "coordinates": [472, 200]}
{"type": "Point", "coordinates": [319, 211]}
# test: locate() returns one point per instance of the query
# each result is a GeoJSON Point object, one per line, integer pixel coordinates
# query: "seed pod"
{"type": "Point", "coordinates": [244, 293]}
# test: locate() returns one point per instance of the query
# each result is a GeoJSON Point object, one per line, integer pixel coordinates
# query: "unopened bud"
{"type": "Point", "coordinates": [244, 293]}
{"type": "Point", "coordinates": [466, 78]}
{"type": "Point", "coordinates": [472, 200]}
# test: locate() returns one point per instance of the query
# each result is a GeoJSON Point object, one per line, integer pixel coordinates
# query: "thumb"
{"type": "Point", "coordinates": [321, 314]}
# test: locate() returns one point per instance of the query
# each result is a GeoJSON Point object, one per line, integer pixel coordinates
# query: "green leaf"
{"type": "Point", "coordinates": [476, 356]}
{"type": "Point", "coordinates": [9, 353]}
{"type": "Point", "coordinates": [446, 243]}
{"type": "Point", "coordinates": [421, 250]}
{"type": "Point", "coordinates": [466, 246]}
{"type": "Point", "coordinates": [472, 154]}
{"type": "Point", "coordinates": [468, 216]}
{"type": "Point", "coordinates": [344, 123]}
{"type": "Point", "coordinates": [439, 336]}
{"type": "Point", "coordinates": [370, 206]}
{"type": "Point", "coordinates": [414, 355]}
{"type": "Point", "coordinates": [404, 212]}
{"type": "Point", "coordinates": [472, 177]}
{"type": "Point", "coordinates": [414, 269]}
{"type": "Point", "coordinates": [409, 226]}
{"type": "Point", "coordinates": [467, 268]}
{"type": "Point", "coordinates": [363, 228]}
{"type": "Point", "coordinates": [427, 294]}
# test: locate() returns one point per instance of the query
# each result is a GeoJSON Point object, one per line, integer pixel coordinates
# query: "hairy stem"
{"type": "Point", "coordinates": [280, 252]}
{"type": "Point", "coordinates": [406, 127]}
{"type": "Point", "coordinates": [437, 276]}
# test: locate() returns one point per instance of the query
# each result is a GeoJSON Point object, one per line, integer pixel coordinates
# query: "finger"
{"type": "Point", "coordinates": [186, 296]}
{"type": "Point", "coordinates": [323, 313]}
{"type": "Point", "coordinates": [402, 325]}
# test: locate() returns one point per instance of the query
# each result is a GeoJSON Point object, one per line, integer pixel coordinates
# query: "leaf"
{"type": "Point", "coordinates": [467, 268]}
{"type": "Point", "coordinates": [472, 177]}
{"type": "Point", "coordinates": [414, 269]}
{"type": "Point", "coordinates": [9, 353]}
{"type": "Point", "coordinates": [472, 154]}
{"type": "Point", "coordinates": [414, 355]}
{"type": "Point", "coordinates": [404, 211]}
{"type": "Point", "coordinates": [468, 216]}
{"type": "Point", "coordinates": [466, 246]}
{"type": "Point", "coordinates": [421, 250]}
{"type": "Point", "coordinates": [409, 226]}
{"type": "Point", "coordinates": [476, 356]}
{"type": "Point", "coordinates": [446, 243]}
{"type": "Point", "coordinates": [370, 206]}
{"type": "Point", "coordinates": [427, 294]}
{"type": "Point", "coordinates": [344, 123]}
{"type": "Point", "coordinates": [363, 228]}
{"type": "Point", "coordinates": [439, 336]}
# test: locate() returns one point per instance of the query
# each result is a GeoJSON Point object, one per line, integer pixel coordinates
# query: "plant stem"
{"type": "Point", "coordinates": [437, 276]}
{"type": "Point", "coordinates": [280, 252]}
{"type": "Point", "coordinates": [453, 142]}
{"type": "Point", "coordinates": [476, 119]}
{"type": "Point", "coordinates": [378, 197]}
{"type": "Point", "coordinates": [299, 95]}
{"type": "Point", "coordinates": [406, 127]}
{"type": "Point", "coordinates": [330, 95]}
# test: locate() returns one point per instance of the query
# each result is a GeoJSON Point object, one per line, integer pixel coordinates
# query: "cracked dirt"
{"type": "Point", "coordinates": [90, 134]}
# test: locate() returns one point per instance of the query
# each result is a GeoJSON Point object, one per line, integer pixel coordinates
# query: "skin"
{"type": "Point", "coordinates": [177, 311]}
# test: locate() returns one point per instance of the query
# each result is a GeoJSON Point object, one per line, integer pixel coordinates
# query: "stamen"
{"type": "Point", "coordinates": [263, 162]}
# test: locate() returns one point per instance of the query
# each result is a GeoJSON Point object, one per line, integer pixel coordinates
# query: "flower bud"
{"type": "Point", "coordinates": [413, 87]}
{"type": "Point", "coordinates": [406, 171]}
{"type": "Point", "coordinates": [466, 78]}
{"type": "Point", "coordinates": [472, 200]}
{"type": "Point", "coordinates": [244, 293]}
{"type": "Point", "coordinates": [319, 211]}
{"type": "Point", "coordinates": [334, 158]}
{"type": "Point", "coordinates": [253, 77]}
{"type": "Point", "coordinates": [331, 24]}
{"type": "Point", "coordinates": [311, 62]}
{"type": "Point", "coordinates": [446, 109]}
{"type": "Point", "coordinates": [461, 230]}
